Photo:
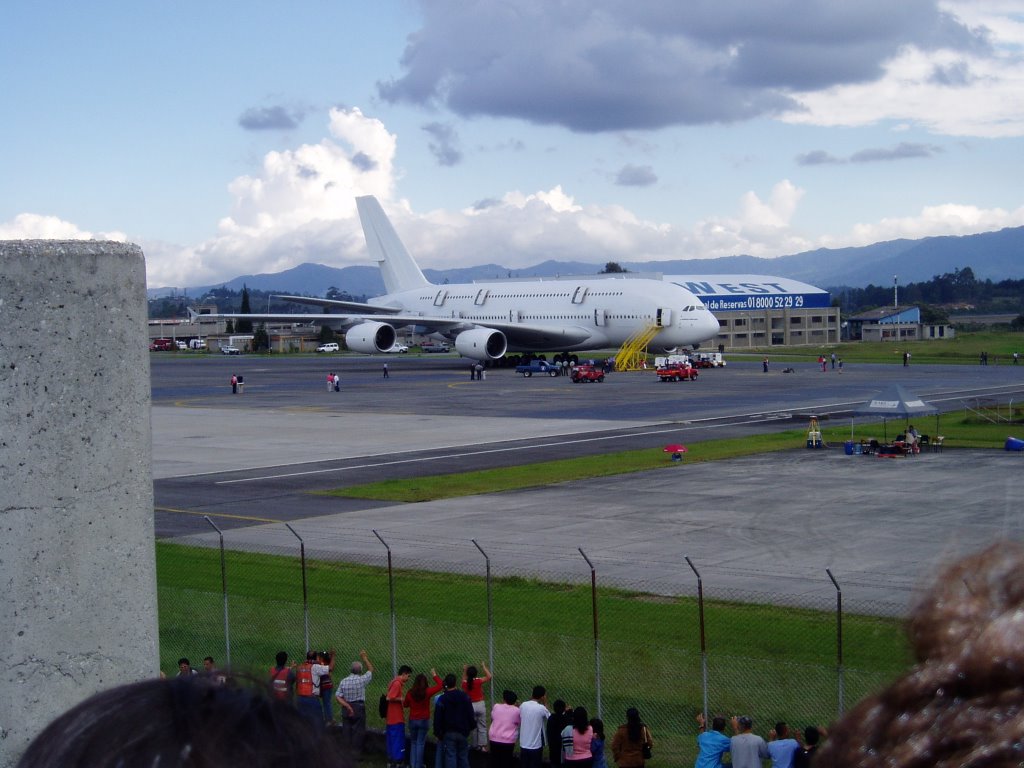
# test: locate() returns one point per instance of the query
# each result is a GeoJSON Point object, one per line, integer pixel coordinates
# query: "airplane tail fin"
{"type": "Point", "coordinates": [397, 267]}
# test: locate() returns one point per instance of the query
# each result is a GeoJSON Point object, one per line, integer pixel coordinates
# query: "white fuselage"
{"type": "Point", "coordinates": [580, 314]}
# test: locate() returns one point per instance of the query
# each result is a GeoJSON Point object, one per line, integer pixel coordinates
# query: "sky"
{"type": "Point", "coordinates": [231, 138]}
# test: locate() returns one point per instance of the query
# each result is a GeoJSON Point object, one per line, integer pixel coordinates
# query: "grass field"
{"type": "Point", "coordinates": [961, 430]}
{"type": "Point", "coordinates": [964, 349]}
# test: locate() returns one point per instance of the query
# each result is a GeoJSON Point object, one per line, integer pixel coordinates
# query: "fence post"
{"type": "Point", "coordinates": [305, 600]}
{"type": "Point", "coordinates": [490, 617]}
{"type": "Point", "coordinates": [841, 675]}
{"type": "Point", "coordinates": [597, 639]}
{"type": "Point", "coordinates": [391, 594]}
{"type": "Point", "coordinates": [703, 645]}
{"type": "Point", "coordinates": [224, 591]}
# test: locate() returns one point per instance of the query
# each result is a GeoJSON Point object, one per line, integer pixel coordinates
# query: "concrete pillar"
{"type": "Point", "coordinates": [76, 497]}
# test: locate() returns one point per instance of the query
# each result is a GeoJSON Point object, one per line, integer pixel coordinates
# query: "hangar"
{"type": "Point", "coordinates": [764, 311]}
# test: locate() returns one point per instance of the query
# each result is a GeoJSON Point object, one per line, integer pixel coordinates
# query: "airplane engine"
{"type": "Point", "coordinates": [370, 337]}
{"type": "Point", "coordinates": [481, 344]}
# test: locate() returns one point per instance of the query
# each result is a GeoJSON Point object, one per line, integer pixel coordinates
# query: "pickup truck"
{"type": "Point", "coordinates": [541, 367]}
{"type": "Point", "coordinates": [677, 372]}
{"type": "Point", "coordinates": [582, 373]}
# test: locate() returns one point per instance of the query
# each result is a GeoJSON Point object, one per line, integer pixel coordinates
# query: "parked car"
{"type": "Point", "coordinates": [162, 345]}
{"type": "Point", "coordinates": [229, 350]}
{"type": "Point", "coordinates": [331, 346]}
{"type": "Point", "coordinates": [197, 344]}
{"type": "Point", "coordinates": [442, 347]}
{"type": "Point", "coordinates": [181, 344]}
{"type": "Point", "coordinates": [398, 348]}
{"type": "Point", "coordinates": [582, 373]}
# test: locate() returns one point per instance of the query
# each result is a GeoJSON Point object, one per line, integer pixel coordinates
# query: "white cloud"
{"type": "Point", "coordinates": [956, 92]}
{"type": "Point", "coordinates": [934, 220]}
{"type": "Point", "coordinates": [299, 207]}
{"type": "Point", "coordinates": [32, 226]}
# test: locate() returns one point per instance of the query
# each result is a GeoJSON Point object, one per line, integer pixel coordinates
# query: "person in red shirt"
{"type": "Point", "coordinates": [395, 721]}
{"type": "Point", "coordinates": [474, 688]}
{"type": "Point", "coordinates": [417, 701]}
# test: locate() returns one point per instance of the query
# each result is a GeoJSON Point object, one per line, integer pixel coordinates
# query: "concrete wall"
{"type": "Point", "coordinates": [76, 501]}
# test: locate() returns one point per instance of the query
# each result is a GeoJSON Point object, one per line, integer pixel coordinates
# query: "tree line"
{"type": "Point", "coordinates": [958, 290]}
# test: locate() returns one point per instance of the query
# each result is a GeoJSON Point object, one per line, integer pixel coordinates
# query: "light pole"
{"type": "Point", "coordinates": [896, 303]}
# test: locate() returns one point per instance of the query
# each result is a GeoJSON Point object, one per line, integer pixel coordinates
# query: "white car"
{"type": "Point", "coordinates": [398, 348]}
{"type": "Point", "coordinates": [181, 344]}
{"type": "Point", "coordinates": [230, 351]}
{"type": "Point", "coordinates": [331, 346]}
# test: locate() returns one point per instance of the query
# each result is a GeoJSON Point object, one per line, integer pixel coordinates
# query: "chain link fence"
{"type": "Point", "coordinates": [605, 633]}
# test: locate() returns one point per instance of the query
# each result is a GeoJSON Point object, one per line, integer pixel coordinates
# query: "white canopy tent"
{"type": "Point", "coordinates": [895, 402]}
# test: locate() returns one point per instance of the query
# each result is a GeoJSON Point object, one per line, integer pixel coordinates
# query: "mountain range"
{"type": "Point", "coordinates": [991, 255]}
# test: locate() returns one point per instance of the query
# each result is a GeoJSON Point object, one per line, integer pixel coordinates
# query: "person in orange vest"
{"type": "Point", "coordinates": [307, 698]}
{"type": "Point", "coordinates": [282, 678]}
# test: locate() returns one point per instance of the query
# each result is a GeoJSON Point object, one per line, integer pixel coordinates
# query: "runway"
{"type": "Point", "coordinates": [769, 523]}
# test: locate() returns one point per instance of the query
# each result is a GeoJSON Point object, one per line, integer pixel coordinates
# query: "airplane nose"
{"type": "Point", "coordinates": [711, 325]}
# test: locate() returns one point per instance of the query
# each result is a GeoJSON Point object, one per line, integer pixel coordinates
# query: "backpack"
{"type": "Point", "coordinates": [382, 705]}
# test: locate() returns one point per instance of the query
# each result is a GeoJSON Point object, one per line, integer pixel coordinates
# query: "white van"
{"type": "Point", "coordinates": [331, 346]}
{"type": "Point", "coordinates": [197, 344]}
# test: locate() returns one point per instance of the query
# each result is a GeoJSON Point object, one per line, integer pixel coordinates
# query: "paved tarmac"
{"type": "Point", "coordinates": [758, 527]}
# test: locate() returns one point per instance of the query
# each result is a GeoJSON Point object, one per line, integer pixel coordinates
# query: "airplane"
{"type": "Point", "coordinates": [485, 320]}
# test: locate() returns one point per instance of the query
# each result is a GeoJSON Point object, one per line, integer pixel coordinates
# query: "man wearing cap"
{"type": "Point", "coordinates": [748, 749]}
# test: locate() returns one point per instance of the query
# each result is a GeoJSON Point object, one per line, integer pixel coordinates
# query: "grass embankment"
{"type": "Point", "coordinates": [965, 348]}
{"type": "Point", "coordinates": [961, 430]}
{"type": "Point", "coordinates": [778, 663]}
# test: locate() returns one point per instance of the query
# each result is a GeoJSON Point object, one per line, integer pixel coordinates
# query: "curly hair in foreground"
{"type": "Point", "coordinates": [184, 722]}
{"type": "Point", "coordinates": [962, 705]}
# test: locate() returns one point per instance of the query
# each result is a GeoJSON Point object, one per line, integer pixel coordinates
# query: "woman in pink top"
{"type": "Point", "coordinates": [582, 735]}
{"type": "Point", "coordinates": [504, 731]}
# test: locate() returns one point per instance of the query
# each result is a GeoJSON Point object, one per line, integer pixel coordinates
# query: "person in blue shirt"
{"type": "Point", "coordinates": [597, 744]}
{"type": "Point", "coordinates": [782, 747]}
{"type": "Point", "coordinates": [711, 745]}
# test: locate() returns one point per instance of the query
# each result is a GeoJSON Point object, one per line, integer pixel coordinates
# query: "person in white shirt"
{"type": "Point", "coordinates": [533, 717]}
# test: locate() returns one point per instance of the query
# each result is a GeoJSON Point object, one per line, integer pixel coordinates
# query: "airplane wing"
{"type": "Point", "coordinates": [337, 304]}
{"type": "Point", "coordinates": [518, 335]}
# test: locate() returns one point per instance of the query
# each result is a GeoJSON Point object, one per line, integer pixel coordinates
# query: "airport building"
{"type": "Point", "coordinates": [896, 324]}
{"type": "Point", "coordinates": [765, 311]}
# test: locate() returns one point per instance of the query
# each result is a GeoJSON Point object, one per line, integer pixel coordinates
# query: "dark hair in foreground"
{"type": "Point", "coordinates": [185, 722]}
{"type": "Point", "coordinates": [962, 704]}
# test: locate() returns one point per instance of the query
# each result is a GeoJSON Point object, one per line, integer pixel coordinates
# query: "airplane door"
{"type": "Point", "coordinates": [599, 318]}
{"type": "Point", "coordinates": [513, 315]}
{"type": "Point", "coordinates": [579, 294]}
{"type": "Point", "coordinates": [440, 297]}
{"type": "Point", "coordinates": [664, 319]}
{"type": "Point", "coordinates": [481, 297]}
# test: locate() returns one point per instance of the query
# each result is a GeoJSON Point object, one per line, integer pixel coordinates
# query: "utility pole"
{"type": "Point", "coordinates": [896, 303]}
